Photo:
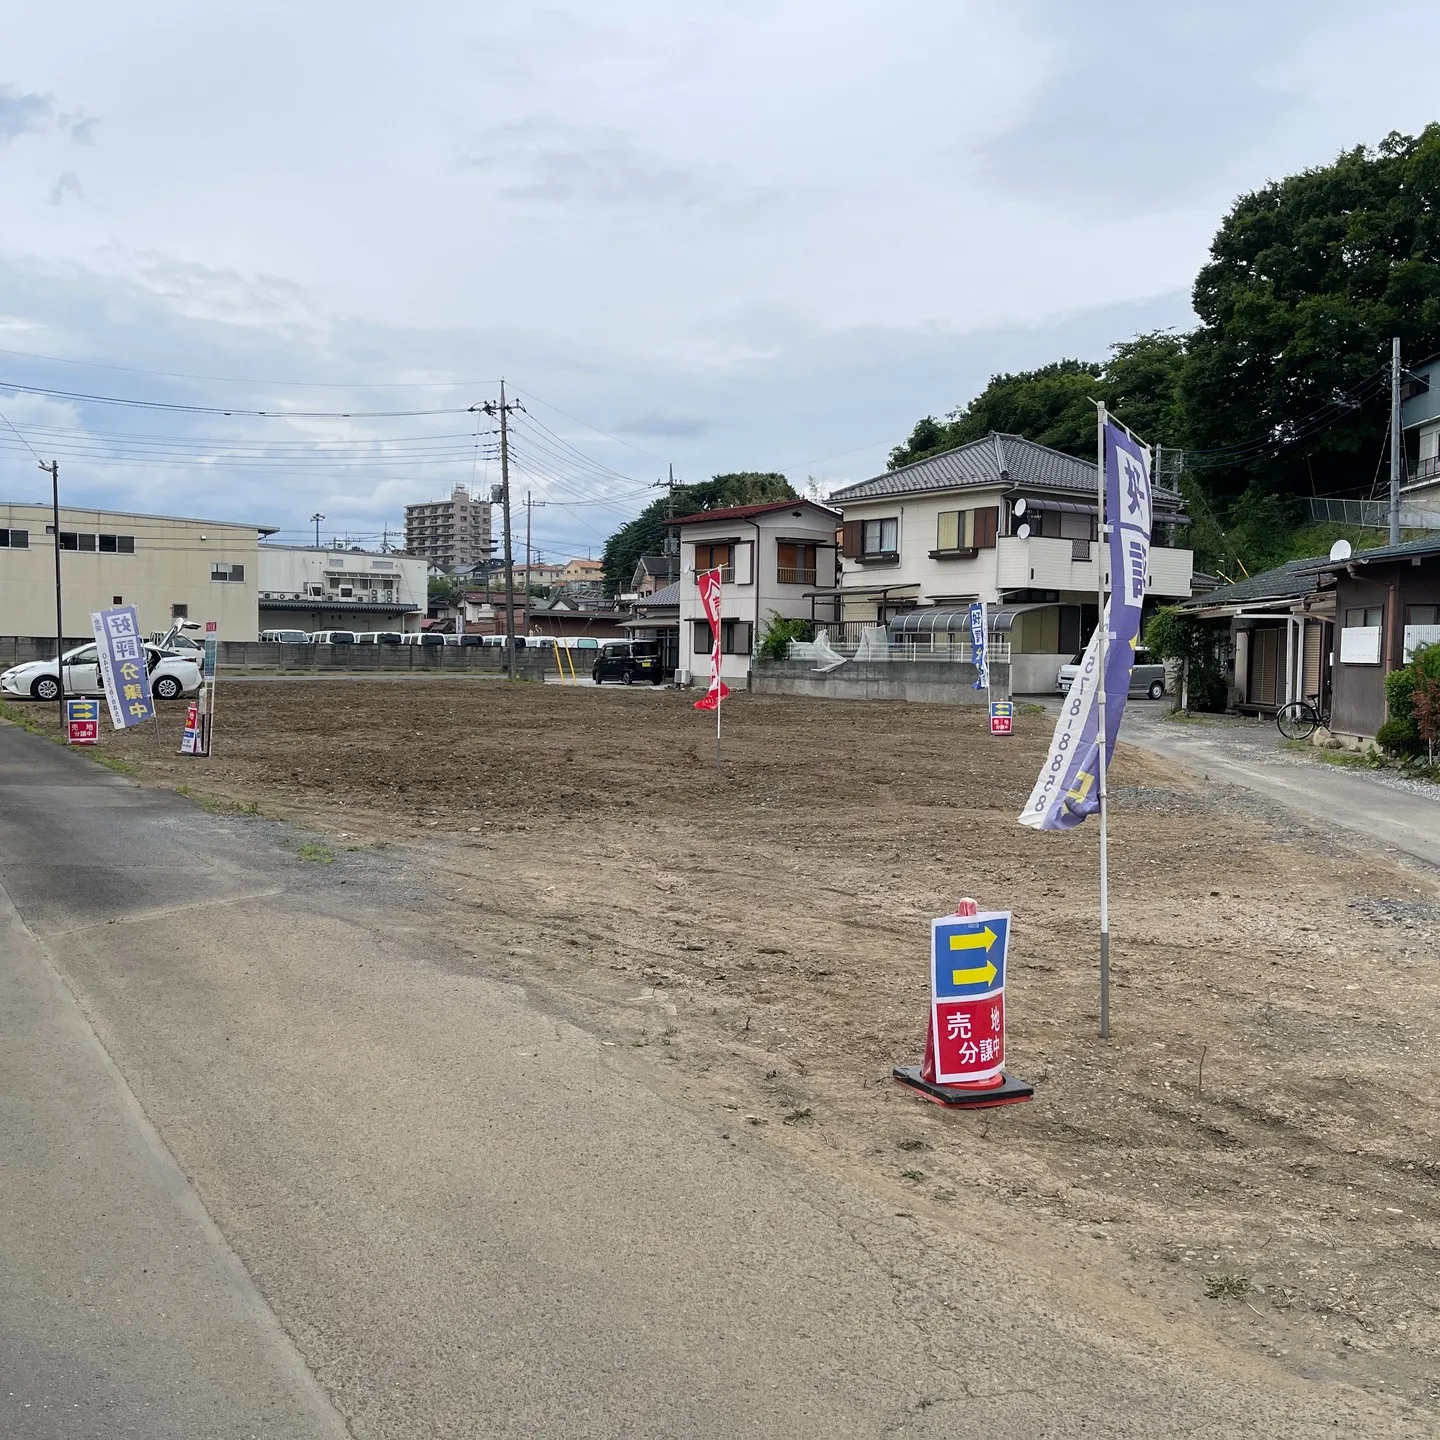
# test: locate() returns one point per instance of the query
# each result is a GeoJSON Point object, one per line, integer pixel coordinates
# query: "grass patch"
{"type": "Point", "coordinates": [799, 1117]}
{"type": "Point", "coordinates": [1031, 709]}
{"type": "Point", "coordinates": [317, 854]}
{"type": "Point", "coordinates": [115, 763]}
{"type": "Point", "coordinates": [916, 1175]}
{"type": "Point", "coordinates": [1226, 1287]}
{"type": "Point", "coordinates": [16, 716]}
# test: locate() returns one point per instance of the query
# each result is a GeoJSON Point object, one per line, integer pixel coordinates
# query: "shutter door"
{"type": "Point", "coordinates": [1314, 650]}
{"type": "Point", "coordinates": [1264, 666]}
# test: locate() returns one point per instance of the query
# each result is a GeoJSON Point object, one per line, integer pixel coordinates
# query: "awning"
{"type": "Point", "coordinates": [1082, 507]}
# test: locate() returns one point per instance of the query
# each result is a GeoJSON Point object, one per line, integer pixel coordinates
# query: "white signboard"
{"type": "Point", "coordinates": [1360, 645]}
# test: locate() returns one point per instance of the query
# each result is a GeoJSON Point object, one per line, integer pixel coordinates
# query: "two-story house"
{"type": "Point", "coordinates": [1002, 520]}
{"type": "Point", "coordinates": [771, 558]}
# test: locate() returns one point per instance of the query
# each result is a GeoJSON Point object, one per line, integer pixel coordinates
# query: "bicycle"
{"type": "Point", "coordinates": [1300, 719]}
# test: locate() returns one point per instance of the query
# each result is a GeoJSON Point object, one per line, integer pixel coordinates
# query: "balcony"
{"type": "Point", "coordinates": [790, 575]}
{"type": "Point", "coordinates": [1427, 469]}
{"type": "Point", "coordinates": [1050, 563]}
{"type": "Point", "coordinates": [727, 574]}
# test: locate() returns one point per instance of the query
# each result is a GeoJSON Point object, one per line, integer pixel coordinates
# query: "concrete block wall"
{"type": "Point", "coordinates": [930, 682]}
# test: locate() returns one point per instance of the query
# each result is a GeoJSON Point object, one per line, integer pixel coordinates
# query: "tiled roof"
{"type": "Point", "coordinates": [1406, 550]}
{"type": "Point", "coordinates": [1285, 582]}
{"type": "Point", "coordinates": [994, 460]}
{"type": "Point", "coordinates": [745, 512]}
{"type": "Point", "coordinates": [670, 595]}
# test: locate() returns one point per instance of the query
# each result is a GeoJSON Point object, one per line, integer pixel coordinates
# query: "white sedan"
{"type": "Point", "coordinates": [170, 676]}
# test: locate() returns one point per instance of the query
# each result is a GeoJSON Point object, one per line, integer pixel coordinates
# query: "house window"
{"type": "Point", "coordinates": [14, 539]}
{"type": "Point", "coordinates": [221, 570]}
{"type": "Point", "coordinates": [795, 563]}
{"type": "Point", "coordinates": [735, 637]}
{"type": "Point", "coordinates": [1422, 614]}
{"type": "Point", "coordinates": [179, 612]}
{"type": "Point", "coordinates": [1369, 615]}
{"type": "Point", "coordinates": [91, 543]}
{"type": "Point", "coordinates": [966, 529]}
{"type": "Point", "coordinates": [716, 557]}
{"type": "Point", "coordinates": [879, 537]}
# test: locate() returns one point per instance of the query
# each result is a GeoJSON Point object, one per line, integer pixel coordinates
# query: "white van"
{"type": "Point", "coordinates": [423, 637]}
{"type": "Point", "coordinates": [285, 637]}
{"type": "Point", "coordinates": [333, 637]}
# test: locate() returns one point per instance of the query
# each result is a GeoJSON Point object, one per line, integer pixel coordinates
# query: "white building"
{"type": "Point", "coordinates": [771, 557]}
{"type": "Point", "coordinates": [302, 588]}
{"type": "Point", "coordinates": [167, 566]}
{"type": "Point", "coordinates": [1002, 520]}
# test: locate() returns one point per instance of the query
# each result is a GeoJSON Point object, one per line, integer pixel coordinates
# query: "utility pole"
{"type": "Point", "coordinates": [1395, 451]}
{"type": "Point", "coordinates": [54, 471]}
{"type": "Point", "coordinates": [502, 411]}
{"type": "Point", "coordinates": [530, 507]}
{"type": "Point", "coordinates": [669, 486]}
{"type": "Point", "coordinates": [317, 517]}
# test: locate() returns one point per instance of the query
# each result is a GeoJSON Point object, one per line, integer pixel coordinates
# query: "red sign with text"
{"type": "Point", "coordinates": [970, 1038]}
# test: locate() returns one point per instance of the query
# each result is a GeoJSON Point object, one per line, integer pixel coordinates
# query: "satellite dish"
{"type": "Point", "coordinates": [1019, 507]}
{"type": "Point", "coordinates": [1340, 550]}
{"type": "Point", "coordinates": [1023, 532]}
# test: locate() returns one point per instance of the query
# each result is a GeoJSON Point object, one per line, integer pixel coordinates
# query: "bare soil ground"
{"type": "Point", "coordinates": [1256, 1146]}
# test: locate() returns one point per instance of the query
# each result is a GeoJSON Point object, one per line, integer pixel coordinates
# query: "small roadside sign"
{"type": "Point", "coordinates": [964, 1061]}
{"type": "Point", "coordinates": [82, 722]}
{"type": "Point", "coordinates": [1002, 716]}
{"type": "Point", "coordinates": [967, 977]}
{"type": "Point", "coordinates": [190, 740]}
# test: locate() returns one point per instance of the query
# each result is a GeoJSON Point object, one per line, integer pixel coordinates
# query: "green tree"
{"type": "Point", "coordinates": [1308, 278]}
{"type": "Point", "coordinates": [645, 535]}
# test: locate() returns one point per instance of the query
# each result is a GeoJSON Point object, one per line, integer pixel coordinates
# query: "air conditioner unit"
{"type": "Point", "coordinates": [682, 677]}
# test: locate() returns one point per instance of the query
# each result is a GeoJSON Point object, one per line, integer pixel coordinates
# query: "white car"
{"type": "Point", "coordinates": [170, 676]}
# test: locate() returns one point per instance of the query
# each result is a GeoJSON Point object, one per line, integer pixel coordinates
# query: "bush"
{"type": "Point", "coordinates": [1208, 689]}
{"type": "Point", "coordinates": [1401, 734]}
{"type": "Point", "coordinates": [1398, 738]}
{"type": "Point", "coordinates": [779, 632]}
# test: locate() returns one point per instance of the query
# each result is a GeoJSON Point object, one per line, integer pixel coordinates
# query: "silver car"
{"type": "Point", "coordinates": [1147, 676]}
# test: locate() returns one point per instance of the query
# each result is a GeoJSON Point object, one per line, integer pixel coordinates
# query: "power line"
{"type": "Point", "coordinates": [637, 448]}
{"type": "Point", "coordinates": [252, 380]}
{"type": "Point", "coordinates": [231, 410]}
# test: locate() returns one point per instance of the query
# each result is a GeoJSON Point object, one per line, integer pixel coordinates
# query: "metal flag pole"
{"type": "Point", "coordinates": [1103, 620]}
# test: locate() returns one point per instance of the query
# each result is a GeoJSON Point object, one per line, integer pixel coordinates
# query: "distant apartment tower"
{"type": "Point", "coordinates": [450, 532]}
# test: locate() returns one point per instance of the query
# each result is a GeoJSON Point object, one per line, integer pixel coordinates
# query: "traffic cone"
{"type": "Point", "coordinates": [1001, 1089]}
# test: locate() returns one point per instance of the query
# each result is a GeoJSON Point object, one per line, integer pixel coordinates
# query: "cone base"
{"type": "Point", "coordinates": [1009, 1091]}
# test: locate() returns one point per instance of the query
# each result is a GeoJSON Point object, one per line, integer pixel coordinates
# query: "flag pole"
{"type": "Point", "coordinates": [1103, 621]}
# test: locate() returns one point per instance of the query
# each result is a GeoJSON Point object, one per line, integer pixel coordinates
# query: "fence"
{"type": "Point", "coordinates": [864, 638]}
{"type": "Point", "coordinates": [1372, 514]}
{"type": "Point", "coordinates": [318, 659]}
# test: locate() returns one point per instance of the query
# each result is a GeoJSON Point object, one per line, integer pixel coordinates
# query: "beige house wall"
{"type": "Point", "coordinates": [171, 566]}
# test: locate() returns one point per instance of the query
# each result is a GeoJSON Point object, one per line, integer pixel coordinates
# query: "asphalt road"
{"type": "Point", "coordinates": [1404, 815]}
{"type": "Point", "coordinates": [268, 1146]}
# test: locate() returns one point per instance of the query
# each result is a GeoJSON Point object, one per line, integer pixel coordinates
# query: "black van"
{"type": "Point", "coordinates": [628, 661]}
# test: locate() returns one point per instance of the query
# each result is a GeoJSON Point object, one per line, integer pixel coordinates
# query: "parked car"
{"type": "Point", "coordinates": [285, 637]}
{"type": "Point", "coordinates": [333, 637]}
{"type": "Point", "coordinates": [423, 637]}
{"type": "Point", "coordinates": [628, 661]}
{"type": "Point", "coordinates": [170, 676]}
{"type": "Point", "coordinates": [1147, 676]}
{"type": "Point", "coordinates": [379, 637]}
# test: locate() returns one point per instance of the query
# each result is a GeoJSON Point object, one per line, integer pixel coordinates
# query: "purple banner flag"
{"type": "Point", "coordinates": [1067, 792]}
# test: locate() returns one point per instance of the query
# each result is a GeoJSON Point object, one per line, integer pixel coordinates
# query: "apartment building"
{"type": "Point", "coordinates": [450, 532]}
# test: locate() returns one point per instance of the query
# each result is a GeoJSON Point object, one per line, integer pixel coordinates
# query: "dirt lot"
{"type": "Point", "coordinates": [1262, 1127]}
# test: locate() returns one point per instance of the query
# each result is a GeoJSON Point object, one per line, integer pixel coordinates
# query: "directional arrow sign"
{"type": "Point", "coordinates": [981, 975]}
{"type": "Point", "coordinates": [981, 940]}
{"type": "Point", "coordinates": [986, 937]}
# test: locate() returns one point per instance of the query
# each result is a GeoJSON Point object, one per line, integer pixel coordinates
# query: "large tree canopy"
{"type": "Point", "coordinates": [1054, 404]}
{"type": "Point", "coordinates": [1281, 391]}
{"type": "Point", "coordinates": [1307, 281]}
{"type": "Point", "coordinates": [645, 535]}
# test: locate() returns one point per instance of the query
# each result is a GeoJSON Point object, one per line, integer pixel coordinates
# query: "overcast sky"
{"type": "Point", "coordinates": [748, 234]}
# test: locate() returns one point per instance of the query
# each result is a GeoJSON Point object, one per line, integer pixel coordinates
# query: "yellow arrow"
{"type": "Point", "coordinates": [980, 940]}
{"type": "Point", "coordinates": [981, 974]}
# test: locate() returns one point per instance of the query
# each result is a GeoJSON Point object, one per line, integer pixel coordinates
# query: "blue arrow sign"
{"type": "Point", "coordinates": [968, 954]}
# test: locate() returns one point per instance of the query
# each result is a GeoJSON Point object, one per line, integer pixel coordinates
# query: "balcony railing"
{"type": "Point", "coordinates": [1427, 469]}
{"type": "Point", "coordinates": [727, 573]}
{"type": "Point", "coordinates": [790, 575]}
{"type": "Point", "coordinates": [875, 642]}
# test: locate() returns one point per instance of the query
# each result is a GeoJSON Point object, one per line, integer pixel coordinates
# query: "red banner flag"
{"type": "Point", "coordinates": [709, 583]}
